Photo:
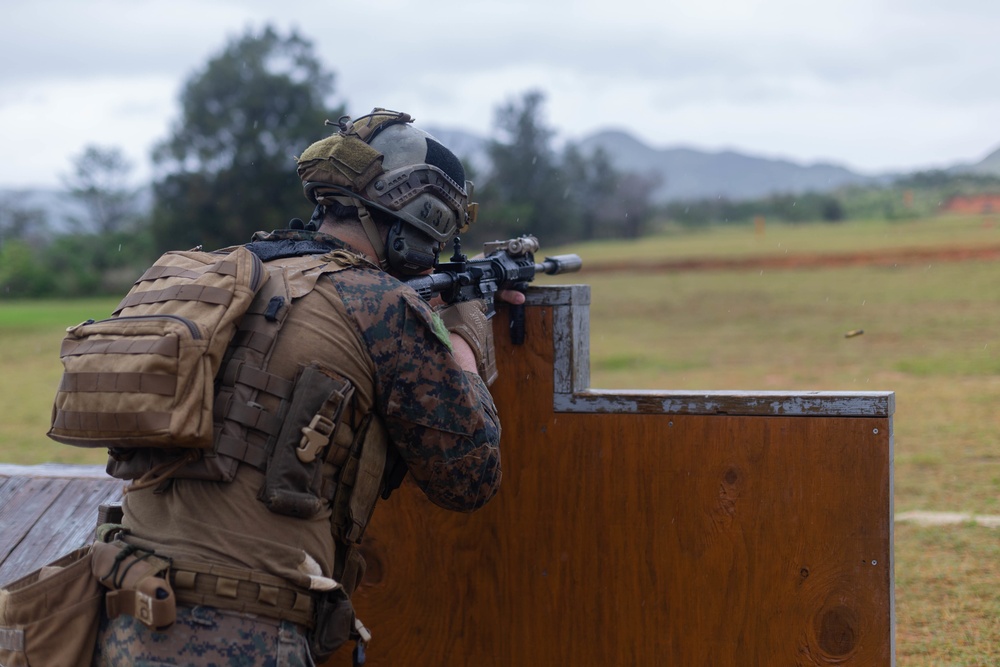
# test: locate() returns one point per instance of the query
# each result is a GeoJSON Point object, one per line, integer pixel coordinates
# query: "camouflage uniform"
{"type": "Point", "coordinates": [203, 636]}
{"type": "Point", "coordinates": [439, 419]}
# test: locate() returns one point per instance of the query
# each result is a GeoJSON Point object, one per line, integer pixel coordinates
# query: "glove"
{"type": "Point", "coordinates": [467, 319]}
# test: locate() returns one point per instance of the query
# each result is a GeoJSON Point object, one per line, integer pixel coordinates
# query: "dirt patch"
{"type": "Point", "coordinates": [798, 261]}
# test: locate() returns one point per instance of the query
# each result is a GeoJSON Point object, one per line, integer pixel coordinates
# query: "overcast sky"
{"type": "Point", "coordinates": [873, 85]}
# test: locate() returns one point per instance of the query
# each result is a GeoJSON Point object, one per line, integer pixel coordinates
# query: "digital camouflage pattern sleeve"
{"type": "Point", "coordinates": [441, 418]}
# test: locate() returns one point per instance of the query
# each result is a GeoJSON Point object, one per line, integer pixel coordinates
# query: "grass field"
{"type": "Point", "coordinates": [931, 335]}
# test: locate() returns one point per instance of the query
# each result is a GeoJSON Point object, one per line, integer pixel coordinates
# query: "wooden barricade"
{"type": "Point", "coordinates": [631, 528]}
{"type": "Point", "coordinates": [645, 527]}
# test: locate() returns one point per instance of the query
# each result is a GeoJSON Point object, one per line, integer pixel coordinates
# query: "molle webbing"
{"type": "Point", "coordinates": [143, 378]}
{"type": "Point", "coordinates": [207, 294]}
{"type": "Point", "coordinates": [248, 415]}
{"type": "Point", "coordinates": [240, 590]}
{"type": "Point", "coordinates": [158, 271]}
{"type": "Point", "coordinates": [257, 332]}
{"type": "Point", "coordinates": [110, 424]}
{"type": "Point", "coordinates": [142, 383]}
{"type": "Point", "coordinates": [240, 372]}
{"type": "Point", "coordinates": [164, 347]}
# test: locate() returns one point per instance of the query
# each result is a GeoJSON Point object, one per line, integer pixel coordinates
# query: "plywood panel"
{"type": "Point", "coordinates": [632, 535]}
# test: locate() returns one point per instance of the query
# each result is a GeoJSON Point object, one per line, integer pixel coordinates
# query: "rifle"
{"type": "Point", "coordinates": [504, 265]}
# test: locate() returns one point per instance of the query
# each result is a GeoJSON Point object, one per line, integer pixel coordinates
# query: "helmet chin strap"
{"type": "Point", "coordinates": [371, 229]}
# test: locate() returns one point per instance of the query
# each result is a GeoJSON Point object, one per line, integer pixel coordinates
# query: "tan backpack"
{"type": "Point", "coordinates": [145, 377]}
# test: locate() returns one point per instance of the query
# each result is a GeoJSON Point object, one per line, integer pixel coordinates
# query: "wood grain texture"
{"type": "Point", "coordinates": [48, 511]}
{"type": "Point", "coordinates": [636, 538]}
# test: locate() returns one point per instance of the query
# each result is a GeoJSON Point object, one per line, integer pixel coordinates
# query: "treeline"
{"type": "Point", "coordinates": [808, 207]}
{"type": "Point", "coordinates": [226, 170]}
{"type": "Point", "coordinates": [916, 195]}
{"type": "Point", "coordinates": [103, 242]}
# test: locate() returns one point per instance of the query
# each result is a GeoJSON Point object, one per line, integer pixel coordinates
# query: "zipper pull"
{"type": "Point", "coordinates": [77, 326]}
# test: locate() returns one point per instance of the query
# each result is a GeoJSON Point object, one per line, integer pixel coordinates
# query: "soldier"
{"type": "Point", "coordinates": [340, 381]}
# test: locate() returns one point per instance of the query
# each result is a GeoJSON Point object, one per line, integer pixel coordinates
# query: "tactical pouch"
{"type": "Point", "coordinates": [137, 582]}
{"type": "Point", "coordinates": [333, 624]}
{"type": "Point", "coordinates": [144, 377]}
{"type": "Point", "coordinates": [50, 617]}
{"type": "Point", "coordinates": [293, 483]}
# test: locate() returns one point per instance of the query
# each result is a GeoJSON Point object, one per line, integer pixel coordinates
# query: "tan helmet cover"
{"type": "Point", "coordinates": [345, 167]}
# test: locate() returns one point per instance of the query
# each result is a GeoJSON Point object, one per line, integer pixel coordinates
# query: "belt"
{"type": "Point", "coordinates": [242, 590]}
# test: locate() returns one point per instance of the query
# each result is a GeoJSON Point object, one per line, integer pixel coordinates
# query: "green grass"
{"type": "Point", "coordinates": [947, 598]}
{"type": "Point", "coordinates": [931, 335]}
{"type": "Point", "coordinates": [785, 239]}
{"type": "Point", "coordinates": [30, 335]}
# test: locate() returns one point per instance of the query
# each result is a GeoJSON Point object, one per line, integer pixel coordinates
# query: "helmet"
{"type": "Point", "coordinates": [381, 161]}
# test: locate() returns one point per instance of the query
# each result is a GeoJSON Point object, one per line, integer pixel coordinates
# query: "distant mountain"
{"type": "Point", "coordinates": [695, 174]}
{"type": "Point", "coordinates": [988, 166]}
{"type": "Point", "coordinates": [687, 173]}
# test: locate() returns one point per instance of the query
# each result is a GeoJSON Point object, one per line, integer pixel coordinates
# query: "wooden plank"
{"type": "Point", "coordinates": [49, 470]}
{"type": "Point", "coordinates": [26, 500]}
{"type": "Point", "coordinates": [47, 511]}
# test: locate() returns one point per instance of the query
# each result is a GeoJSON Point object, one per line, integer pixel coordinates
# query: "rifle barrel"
{"type": "Point", "coordinates": [560, 264]}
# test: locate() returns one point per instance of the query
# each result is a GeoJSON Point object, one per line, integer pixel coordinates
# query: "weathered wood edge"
{"type": "Point", "coordinates": [891, 570]}
{"type": "Point", "coordinates": [571, 338]}
{"type": "Point", "coordinates": [74, 471]}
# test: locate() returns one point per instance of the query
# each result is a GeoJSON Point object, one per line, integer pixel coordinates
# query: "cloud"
{"type": "Point", "coordinates": [871, 83]}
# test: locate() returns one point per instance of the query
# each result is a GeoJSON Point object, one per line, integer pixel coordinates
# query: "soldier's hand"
{"type": "Point", "coordinates": [511, 296]}
{"type": "Point", "coordinates": [467, 322]}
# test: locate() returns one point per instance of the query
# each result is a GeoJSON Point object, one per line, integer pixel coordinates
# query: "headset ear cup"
{"type": "Point", "coordinates": [409, 251]}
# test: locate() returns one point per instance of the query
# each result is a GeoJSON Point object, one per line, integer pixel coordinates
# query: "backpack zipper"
{"type": "Point", "coordinates": [257, 274]}
{"type": "Point", "coordinates": [192, 327]}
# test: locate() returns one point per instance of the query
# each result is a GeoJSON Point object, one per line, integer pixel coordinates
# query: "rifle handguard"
{"type": "Point", "coordinates": [468, 320]}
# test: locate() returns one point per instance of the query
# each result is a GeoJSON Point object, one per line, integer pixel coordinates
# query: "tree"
{"type": "Point", "coordinates": [559, 197]}
{"type": "Point", "coordinates": [526, 188]}
{"type": "Point", "coordinates": [22, 275]}
{"type": "Point", "coordinates": [100, 184]}
{"type": "Point", "coordinates": [228, 165]}
{"type": "Point", "coordinates": [19, 221]}
{"type": "Point", "coordinates": [633, 204]}
{"type": "Point", "coordinates": [591, 185]}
